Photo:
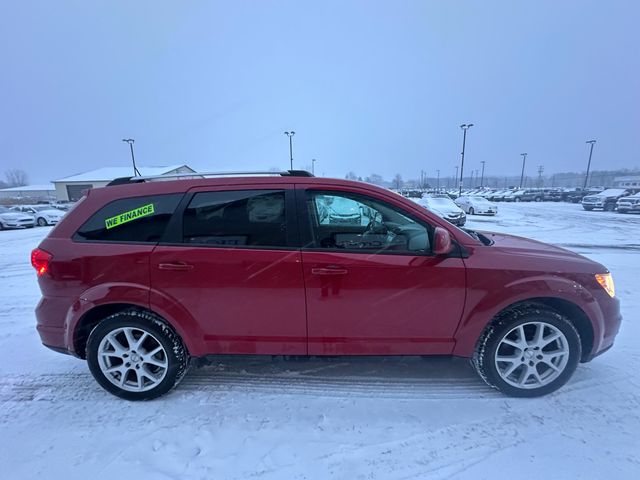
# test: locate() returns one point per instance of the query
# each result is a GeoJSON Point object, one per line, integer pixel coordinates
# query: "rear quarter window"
{"type": "Point", "coordinates": [138, 219]}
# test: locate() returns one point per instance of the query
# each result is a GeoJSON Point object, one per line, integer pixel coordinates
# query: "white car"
{"type": "Point", "coordinates": [42, 214]}
{"type": "Point", "coordinates": [475, 205]}
{"type": "Point", "coordinates": [444, 207]}
{"type": "Point", "coordinates": [13, 219]}
{"type": "Point", "coordinates": [629, 204]}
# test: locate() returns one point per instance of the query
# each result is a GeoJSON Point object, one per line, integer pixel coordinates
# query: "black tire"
{"type": "Point", "coordinates": [538, 199]}
{"type": "Point", "coordinates": [42, 222]}
{"type": "Point", "coordinates": [609, 207]}
{"type": "Point", "coordinates": [175, 353]}
{"type": "Point", "coordinates": [517, 199]}
{"type": "Point", "coordinates": [484, 362]}
{"type": "Point", "coordinates": [471, 211]}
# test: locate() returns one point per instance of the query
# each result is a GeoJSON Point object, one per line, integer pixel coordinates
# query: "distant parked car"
{"type": "Point", "coordinates": [605, 200]}
{"type": "Point", "coordinates": [630, 204]}
{"type": "Point", "coordinates": [498, 196]}
{"type": "Point", "coordinates": [43, 214]}
{"type": "Point", "coordinates": [575, 195]}
{"type": "Point", "coordinates": [12, 219]}
{"type": "Point", "coordinates": [513, 196]}
{"type": "Point", "coordinates": [444, 207]}
{"type": "Point", "coordinates": [475, 205]}
{"type": "Point", "coordinates": [339, 211]}
{"type": "Point", "coordinates": [552, 194]}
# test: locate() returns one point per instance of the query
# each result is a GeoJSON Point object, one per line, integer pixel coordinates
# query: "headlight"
{"type": "Point", "coordinates": [606, 281]}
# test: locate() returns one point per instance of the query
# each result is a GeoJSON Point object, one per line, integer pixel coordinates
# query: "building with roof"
{"type": "Point", "coordinates": [632, 181]}
{"type": "Point", "coordinates": [71, 188]}
{"type": "Point", "coordinates": [35, 193]}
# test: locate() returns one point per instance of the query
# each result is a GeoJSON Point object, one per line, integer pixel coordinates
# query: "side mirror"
{"type": "Point", "coordinates": [441, 241]}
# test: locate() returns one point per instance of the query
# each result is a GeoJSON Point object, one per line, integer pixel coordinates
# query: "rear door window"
{"type": "Point", "coordinates": [239, 218]}
{"type": "Point", "coordinates": [130, 220]}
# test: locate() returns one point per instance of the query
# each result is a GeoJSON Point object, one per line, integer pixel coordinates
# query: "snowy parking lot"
{"type": "Point", "coordinates": [365, 418]}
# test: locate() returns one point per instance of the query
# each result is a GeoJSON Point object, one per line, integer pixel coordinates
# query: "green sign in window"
{"type": "Point", "coordinates": [129, 216]}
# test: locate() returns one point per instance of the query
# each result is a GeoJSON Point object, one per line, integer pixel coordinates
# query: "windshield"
{"type": "Point", "coordinates": [480, 199]}
{"type": "Point", "coordinates": [4, 210]}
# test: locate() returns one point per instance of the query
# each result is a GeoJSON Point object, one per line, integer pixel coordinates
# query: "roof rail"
{"type": "Point", "coordinates": [191, 175]}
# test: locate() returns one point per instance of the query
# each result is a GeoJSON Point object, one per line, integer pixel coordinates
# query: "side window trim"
{"type": "Point", "coordinates": [307, 238]}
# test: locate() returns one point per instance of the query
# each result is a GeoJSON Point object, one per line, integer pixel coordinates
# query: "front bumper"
{"type": "Point", "coordinates": [627, 207]}
{"type": "Point", "coordinates": [458, 221]}
{"type": "Point", "coordinates": [18, 224]}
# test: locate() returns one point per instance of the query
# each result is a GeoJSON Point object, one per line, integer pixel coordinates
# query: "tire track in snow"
{"type": "Point", "coordinates": [82, 387]}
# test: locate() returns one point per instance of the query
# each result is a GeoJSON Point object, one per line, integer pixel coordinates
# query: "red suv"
{"type": "Point", "coordinates": [143, 275]}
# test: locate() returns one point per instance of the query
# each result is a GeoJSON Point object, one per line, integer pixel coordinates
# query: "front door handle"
{"type": "Point", "coordinates": [329, 271]}
{"type": "Point", "coordinates": [176, 267]}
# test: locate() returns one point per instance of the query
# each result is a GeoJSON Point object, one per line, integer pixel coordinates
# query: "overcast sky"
{"type": "Point", "coordinates": [367, 86]}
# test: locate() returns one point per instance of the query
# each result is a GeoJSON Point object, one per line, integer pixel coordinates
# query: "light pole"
{"type": "Point", "coordinates": [588, 164]}
{"type": "Point", "coordinates": [464, 128]}
{"type": "Point", "coordinates": [438, 180]}
{"type": "Point", "coordinates": [456, 179]}
{"type": "Point", "coordinates": [313, 166]}
{"type": "Point", "coordinates": [290, 135]}
{"type": "Point", "coordinates": [524, 159]}
{"type": "Point", "coordinates": [133, 158]}
{"type": "Point", "coordinates": [482, 176]}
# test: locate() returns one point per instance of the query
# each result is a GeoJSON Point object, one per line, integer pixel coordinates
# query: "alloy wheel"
{"type": "Point", "coordinates": [532, 355]}
{"type": "Point", "coordinates": [132, 359]}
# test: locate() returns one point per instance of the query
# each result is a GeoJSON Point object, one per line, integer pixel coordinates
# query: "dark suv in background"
{"type": "Point", "coordinates": [142, 276]}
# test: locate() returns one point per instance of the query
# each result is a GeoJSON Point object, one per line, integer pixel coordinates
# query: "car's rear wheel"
{"type": "Point", "coordinates": [42, 222]}
{"type": "Point", "coordinates": [609, 207]}
{"type": "Point", "coordinates": [136, 356]}
{"type": "Point", "coordinates": [471, 211]}
{"type": "Point", "coordinates": [528, 352]}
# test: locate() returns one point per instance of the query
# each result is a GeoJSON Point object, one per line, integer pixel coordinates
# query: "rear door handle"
{"type": "Point", "coordinates": [329, 271]}
{"type": "Point", "coordinates": [176, 267]}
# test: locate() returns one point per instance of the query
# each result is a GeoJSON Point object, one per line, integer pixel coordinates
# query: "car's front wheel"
{"type": "Point", "coordinates": [528, 351]}
{"type": "Point", "coordinates": [42, 222]}
{"type": "Point", "coordinates": [136, 356]}
{"type": "Point", "coordinates": [471, 211]}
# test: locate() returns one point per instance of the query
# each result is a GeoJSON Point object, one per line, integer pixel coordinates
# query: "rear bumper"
{"type": "Point", "coordinates": [51, 314]}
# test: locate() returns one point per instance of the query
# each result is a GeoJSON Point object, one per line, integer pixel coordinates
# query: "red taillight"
{"type": "Point", "coordinates": [40, 261]}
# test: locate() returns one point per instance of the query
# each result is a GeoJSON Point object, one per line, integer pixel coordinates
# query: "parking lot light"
{"type": "Point", "coordinates": [524, 160]}
{"type": "Point", "coordinates": [290, 135]}
{"type": "Point", "coordinates": [586, 177]}
{"type": "Point", "coordinates": [464, 127]}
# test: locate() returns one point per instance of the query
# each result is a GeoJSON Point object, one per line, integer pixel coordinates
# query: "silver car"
{"type": "Point", "coordinates": [13, 219]}
{"type": "Point", "coordinates": [43, 214]}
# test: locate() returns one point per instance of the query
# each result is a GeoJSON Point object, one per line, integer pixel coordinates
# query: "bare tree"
{"type": "Point", "coordinates": [351, 176]}
{"type": "Point", "coordinates": [16, 178]}
{"type": "Point", "coordinates": [375, 179]}
{"type": "Point", "coordinates": [397, 181]}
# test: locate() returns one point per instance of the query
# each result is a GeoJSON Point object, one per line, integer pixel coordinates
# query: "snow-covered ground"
{"type": "Point", "coordinates": [336, 418]}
